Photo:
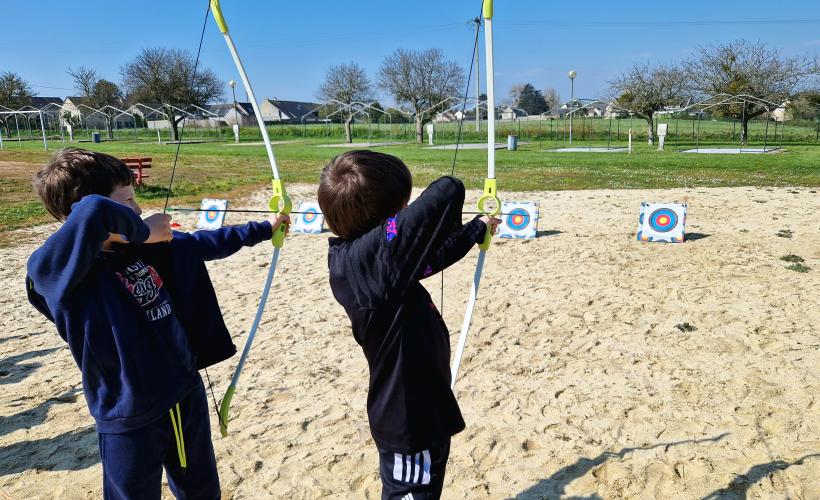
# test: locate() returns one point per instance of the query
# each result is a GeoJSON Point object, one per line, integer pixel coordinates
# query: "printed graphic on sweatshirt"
{"type": "Point", "coordinates": [145, 285]}
{"type": "Point", "coordinates": [391, 231]}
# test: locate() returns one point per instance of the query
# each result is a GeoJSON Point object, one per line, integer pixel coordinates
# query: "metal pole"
{"type": "Point", "coordinates": [571, 104]}
{"type": "Point", "coordinates": [17, 126]}
{"type": "Point", "coordinates": [766, 133]}
{"type": "Point", "coordinates": [609, 136]}
{"type": "Point", "coordinates": [43, 129]}
{"type": "Point", "coordinates": [477, 83]}
{"type": "Point", "coordinates": [743, 128]}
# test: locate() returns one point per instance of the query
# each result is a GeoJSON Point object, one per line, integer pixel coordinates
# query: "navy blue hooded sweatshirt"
{"type": "Point", "coordinates": [376, 278]}
{"type": "Point", "coordinates": [140, 319]}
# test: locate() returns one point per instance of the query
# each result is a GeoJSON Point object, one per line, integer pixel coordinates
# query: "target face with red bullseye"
{"type": "Point", "coordinates": [212, 214]}
{"type": "Point", "coordinates": [311, 220]}
{"type": "Point", "coordinates": [518, 220]}
{"type": "Point", "coordinates": [662, 222]}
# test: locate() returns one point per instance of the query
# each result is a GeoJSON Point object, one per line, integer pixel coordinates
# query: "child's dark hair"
{"type": "Point", "coordinates": [359, 189]}
{"type": "Point", "coordinates": [74, 173]}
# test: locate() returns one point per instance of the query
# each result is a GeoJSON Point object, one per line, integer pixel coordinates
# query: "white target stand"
{"type": "Point", "coordinates": [310, 219]}
{"type": "Point", "coordinates": [212, 214]}
{"type": "Point", "coordinates": [662, 128]}
{"type": "Point", "coordinates": [662, 222]}
{"type": "Point", "coordinates": [519, 220]}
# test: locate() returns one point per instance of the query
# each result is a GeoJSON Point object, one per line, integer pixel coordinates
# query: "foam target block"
{"type": "Point", "coordinates": [518, 220]}
{"type": "Point", "coordinates": [662, 222]}
{"type": "Point", "coordinates": [212, 214]}
{"type": "Point", "coordinates": [310, 220]}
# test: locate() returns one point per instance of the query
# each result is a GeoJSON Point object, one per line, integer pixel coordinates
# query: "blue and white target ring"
{"type": "Point", "coordinates": [310, 215]}
{"type": "Point", "coordinates": [663, 220]}
{"type": "Point", "coordinates": [518, 219]}
{"type": "Point", "coordinates": [212, 214]}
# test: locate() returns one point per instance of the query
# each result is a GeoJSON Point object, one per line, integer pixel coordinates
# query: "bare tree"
{"type": "Point", "coordinates": [98, 93]}
{"type": "Point", "coordinates": [552, 97]}
{"type": "Point", "coordinates": [84, 80]}
{"type": "Point", "coordinates": [346, 83]}
{"type": "Point", "coordinates": [644, 90]}
{"type": "Point", "coordinates": [743, 67]}
{"type": "Point", "coordinates": [166, 76]}
{"type": "Point", "coordinates": [421, 80]}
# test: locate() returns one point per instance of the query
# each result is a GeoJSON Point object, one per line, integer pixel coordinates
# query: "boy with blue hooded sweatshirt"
{"type": "Point", "coordinates": [134, 302]}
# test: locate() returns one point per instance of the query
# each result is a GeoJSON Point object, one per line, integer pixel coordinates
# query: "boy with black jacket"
{"type": "Point", "coordinates": [385, 247]}
{"type": "Point", "coordinates": [136, 306]}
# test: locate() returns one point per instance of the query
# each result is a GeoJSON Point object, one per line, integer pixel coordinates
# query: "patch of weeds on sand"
{"type": "Point", "coordinates": [785, 233]}
{"type": "Point", "coordinates": [686, 327]}
{"type": "Point", "coordinates": [798, 267]}
{"type": "Point", "coordinates": [792, 258]}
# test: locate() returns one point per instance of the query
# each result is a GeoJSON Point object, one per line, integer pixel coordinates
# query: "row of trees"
{"type": "Point", "coordinates": [738, 67]}
{"type": "Point", "coordinates": [167, 77]}
{"type": "Point", "coordinates": [424, 83]}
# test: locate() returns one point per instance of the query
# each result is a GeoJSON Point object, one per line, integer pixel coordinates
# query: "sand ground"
{"type": "Point", "coordinates": [577, 380]}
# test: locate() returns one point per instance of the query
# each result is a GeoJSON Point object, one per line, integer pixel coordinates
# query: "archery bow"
{"type": "Point", "coordinates": [279, 203]}
{"type": "Point", "coordinates": [490, 188]}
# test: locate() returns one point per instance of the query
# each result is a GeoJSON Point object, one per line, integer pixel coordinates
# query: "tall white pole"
{"type": "Point", "coordinates": [571, 100]}
{"type": "Point", "coordinates": [488, 48]}
{"type": "Point", "coordinates": [477, 81]}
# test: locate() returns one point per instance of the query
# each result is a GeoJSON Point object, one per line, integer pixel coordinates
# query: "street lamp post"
{"type": "Point", "coordinates": [235, 126]}
{"type": "Point", "coordinates": [571, 75]}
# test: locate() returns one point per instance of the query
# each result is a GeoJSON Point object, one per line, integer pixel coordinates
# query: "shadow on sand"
{"type": "Point", "coordinates": [27, 419]}
{"type": "Point", "coordinates": [74, 450]}
{"type": "Point", "coordinates": [555, 485]}
{"type": "Point", "coordinates": [739, 486]}
{"type": "Point", "coordinates": [12, 370]}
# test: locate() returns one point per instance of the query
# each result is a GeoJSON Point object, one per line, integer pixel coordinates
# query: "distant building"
{"type": "Point", "coordinates": [45, 102]}
{"type": "Point", "coordinates": [277, 111]}
{"type": "Point", "coordinates": [511, 113]}
{"type": "Point", "coordinates": [242, 114]}
{"type": "Point", "coordinates": [447, 116]}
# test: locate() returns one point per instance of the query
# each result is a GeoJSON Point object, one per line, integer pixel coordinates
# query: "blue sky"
{"type": "Point", "coordinates": [287, 46]}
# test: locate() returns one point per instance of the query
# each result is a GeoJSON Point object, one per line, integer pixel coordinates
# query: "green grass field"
{"type": "Point", "coordinates": [220, 169]}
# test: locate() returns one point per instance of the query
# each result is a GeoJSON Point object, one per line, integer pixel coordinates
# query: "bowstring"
{"type": "Point", "coordinates": [182, 128]}
{"type": "Point", "coordinates": [174, 169]}
{"type": "Point", "coordinates": [458, 135]}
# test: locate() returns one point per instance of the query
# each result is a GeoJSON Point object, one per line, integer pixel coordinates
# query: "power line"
{"type": "Point", "coordinates": [650, 24]}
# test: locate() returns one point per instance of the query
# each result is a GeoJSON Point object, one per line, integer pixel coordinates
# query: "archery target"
{"type": "Point", "coordinates": [310, 220]}
{"type": "Point", "coordinates": [212, 214]}
{"type": "Point", "coordinates": [518, 220]}
{"type": "Point", "coordinates": [664, 222]}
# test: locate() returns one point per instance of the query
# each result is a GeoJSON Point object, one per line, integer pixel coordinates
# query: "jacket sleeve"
{"type": "Point", "coordinates": [225, 241]}
{"type": "Point", "coordinates": [455, 247]}
{"type": "Point", "coordinates": [396, 253]}
{"type": "Point", "coordinates": [67, 256]}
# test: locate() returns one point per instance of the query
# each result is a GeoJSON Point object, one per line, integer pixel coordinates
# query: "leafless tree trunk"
{"type": "Point", "coordinates": [348, 129]}
{"type": "Point", "coordinates": [650, 129]}
{"type": "Point", "coordinates": [419, 129]}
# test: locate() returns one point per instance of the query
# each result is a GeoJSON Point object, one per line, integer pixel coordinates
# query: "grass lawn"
{"type": "Point", "coordinates": [222, 170]}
